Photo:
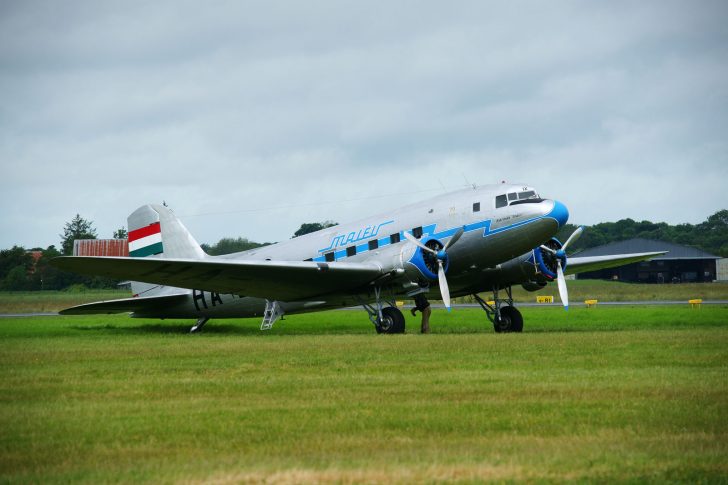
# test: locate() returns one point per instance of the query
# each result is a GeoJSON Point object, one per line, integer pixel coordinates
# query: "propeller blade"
{"type": "Point", "coordinates": [416, 241]}
{"type": "Point", "coordinates": [444, 290]}
{"type": "Point", "coordinates": [552, 251]}
{"type": "Point", "coordinates": [574, 236]}
{"type": "Point", "coordinates": [563, 293]}
{"type": "Point", "coordinates": [454, 238]}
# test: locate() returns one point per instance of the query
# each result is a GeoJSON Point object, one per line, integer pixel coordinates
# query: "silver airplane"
{"type": "Point", "coordinates": [480, 239]}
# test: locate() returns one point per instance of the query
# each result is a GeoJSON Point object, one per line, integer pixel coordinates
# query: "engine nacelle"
{"type": "Point", "coordinates": [425, 263]}
{"type": "Point", "coordinates": [545, 261]}
{"type": "Point", "coordinates": [533, 269]}
{"type": "Point", "coordinates": [405, 257]}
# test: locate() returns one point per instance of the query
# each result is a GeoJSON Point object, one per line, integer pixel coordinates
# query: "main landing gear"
{"type": "Point", "coordinates": [392, 321]}
{"type": "Point", "coordinates": [385, 319]}
{"type": "Point", "coordinates": [502, 313]}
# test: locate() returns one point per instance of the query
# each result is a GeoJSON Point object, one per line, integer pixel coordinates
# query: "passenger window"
{"type": "Point", "coordinates": [501, 201]}
{"type": "Point", "coordinates": [476, 206]}
{"type": "Point", "coordinates": [417, 232]}
{"type": "Point", "coordinates": [373, 244]}
{"type": "Point", "coordinates": [351, 251]}
{"type": "Point", "coordinates": [394, 238]}
{"type": "Point", "coordinates": [330, 256]}
{"type": "Point", "coordinates": [512, 196]}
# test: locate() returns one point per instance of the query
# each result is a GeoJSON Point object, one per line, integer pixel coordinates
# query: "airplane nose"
{"type": "Point", "coordinates": [560, 213]}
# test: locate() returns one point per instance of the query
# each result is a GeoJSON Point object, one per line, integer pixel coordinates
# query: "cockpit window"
{"type": "Point", "coordinates": [512, 196]}
{"type": "Point", "coordinates": [501, 201]}
{"type": "Point", "coordinates": [526, 195]}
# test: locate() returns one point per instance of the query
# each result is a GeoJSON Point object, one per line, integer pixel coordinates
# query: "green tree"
{"type": "Point", "coordinates": [12, 258]}
{"type": "Point", "coordinates": [309, 227]}
{"type": "Point", "coordinates": [16, 279]}
{"type": "Point", "coordinates": [47, 277]}
{"type": "Point", "coordinates": [77, 228]}
{"type": "Point", "coordinates": [229, 245]}
{"type": "Point", "coordinates": [121, 233]}
{"type": "Point", "coordinates": [714, 233]}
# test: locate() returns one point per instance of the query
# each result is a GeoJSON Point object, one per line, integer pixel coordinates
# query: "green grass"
{"type": "Point", "coordinates": [579, 290]}
{"type": "Point", "coordinates": [53, 301]}
{"type": "Point", "coordinates": [635, 394]}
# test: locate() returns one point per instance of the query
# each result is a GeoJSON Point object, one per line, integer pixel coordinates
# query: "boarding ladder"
{"type": "Point", "coordinates": [272, 313]}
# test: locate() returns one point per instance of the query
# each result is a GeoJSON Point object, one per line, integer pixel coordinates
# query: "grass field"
{"type": "Point", "coordinates": [626, 394]}
{"type": "Point", "coordinates": [53, 301]}
{"type": "Point", "coordinates": [579, 290]}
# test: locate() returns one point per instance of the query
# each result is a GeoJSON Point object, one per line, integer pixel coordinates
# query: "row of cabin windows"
{"type": "Point", "coordinates": [373, 244]}
{"type": "Point", "coordinates": [500, 201]}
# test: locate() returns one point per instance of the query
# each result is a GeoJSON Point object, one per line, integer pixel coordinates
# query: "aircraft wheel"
{"type": "Point", "coordinates": [510, 320]}
{"type": "Point", "coordinates": [392, 321]}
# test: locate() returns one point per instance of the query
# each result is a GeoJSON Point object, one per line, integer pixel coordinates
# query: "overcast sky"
{"type": "Point", "coordinates": [249, 118]}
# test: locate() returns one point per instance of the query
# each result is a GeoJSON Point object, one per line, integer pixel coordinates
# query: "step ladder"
{"type": "Point", "coordinates": [272, 313]}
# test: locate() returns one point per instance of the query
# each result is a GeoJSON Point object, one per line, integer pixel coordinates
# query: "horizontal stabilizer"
{"type": "Point", "coordinates": [594, 263]}
{"type": "Point", "coordinates": [273, 280]}
{"type": "Point", "coordinates": [126, 305]}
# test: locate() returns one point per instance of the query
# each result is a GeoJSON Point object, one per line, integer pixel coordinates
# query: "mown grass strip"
{"type": "Point", "coordinates": [53, 301]}
{"type": "Point", "coordinates": [579, 290]}
{"type": "Point", "coordinates": [324, 399]}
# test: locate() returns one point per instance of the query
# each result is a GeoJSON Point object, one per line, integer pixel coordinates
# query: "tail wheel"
{"type": "Point", "coordinates": [510, 320]}
{"type": "Point", "coordinates": [392, 321]}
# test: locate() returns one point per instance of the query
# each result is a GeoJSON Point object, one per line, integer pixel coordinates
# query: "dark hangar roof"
{"type": "Point", "coordinates": [639, 245]}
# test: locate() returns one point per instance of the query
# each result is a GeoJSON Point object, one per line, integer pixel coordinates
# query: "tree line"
{"type": "Point", "coordinates": [710, 235]}
{"type": "Point", "coordinates": [27, 270]}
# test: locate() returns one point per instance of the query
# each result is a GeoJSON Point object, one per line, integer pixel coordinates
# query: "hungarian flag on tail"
{"type": "Point", "coordinates": [145, 241]}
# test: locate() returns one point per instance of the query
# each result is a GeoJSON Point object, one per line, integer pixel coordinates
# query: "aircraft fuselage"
{"type": "Point", "coordinates": [500, 231]}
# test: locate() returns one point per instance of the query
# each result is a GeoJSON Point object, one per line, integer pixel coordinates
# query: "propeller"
{"type": "Point", "coordinates": [440, 256]}
{"type": "Point", "coordinates": [561, 254]}
{"type": "Point", "coordinates": [574, 236]}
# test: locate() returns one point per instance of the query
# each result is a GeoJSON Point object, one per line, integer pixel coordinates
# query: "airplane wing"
{"type": "Point", "coordinates": [274, 280]}
{"type": "Point", "coordinates": [126, 305]}
{"type": "Point", "coordinates": [593, 263]}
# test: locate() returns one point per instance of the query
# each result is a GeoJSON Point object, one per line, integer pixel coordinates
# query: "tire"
{"type": "Point", "coordinates": [510, 320]}
{"type": "Point", "coordinates": [392, 321]}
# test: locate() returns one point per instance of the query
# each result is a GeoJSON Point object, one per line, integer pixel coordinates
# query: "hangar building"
{"type": "Point", "coordinates": [680, 264]}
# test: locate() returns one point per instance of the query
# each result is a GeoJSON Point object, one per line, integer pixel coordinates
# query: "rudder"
{"type": "Point", "coordinates": [154, 231]}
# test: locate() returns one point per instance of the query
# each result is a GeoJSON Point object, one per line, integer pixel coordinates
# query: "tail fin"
{"type": "Point", "coordinates": [154, 231]}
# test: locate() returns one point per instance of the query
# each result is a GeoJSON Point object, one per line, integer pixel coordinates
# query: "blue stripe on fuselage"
{"type": "Point", "coordinates": [429, 230]}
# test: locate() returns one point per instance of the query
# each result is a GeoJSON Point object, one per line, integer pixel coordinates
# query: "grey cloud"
{"type": "Point", "coordinates": [239, 105]}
